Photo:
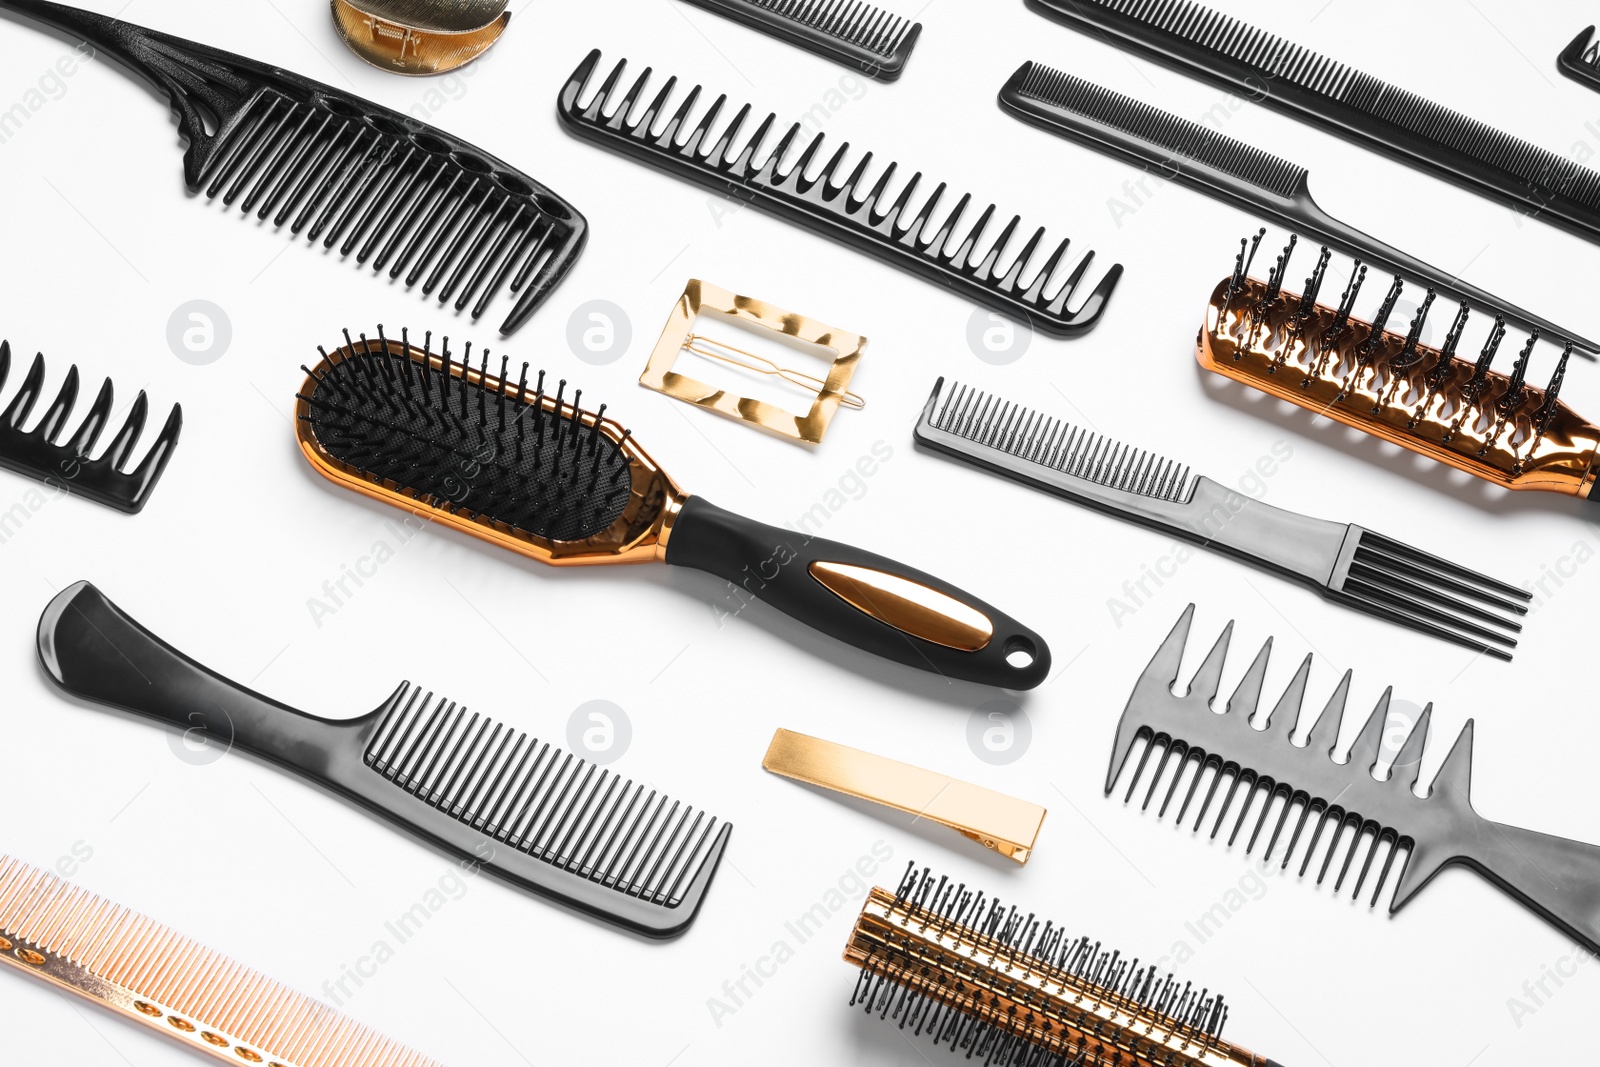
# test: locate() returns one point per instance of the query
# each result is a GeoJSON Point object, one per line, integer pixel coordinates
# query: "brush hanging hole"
{"type": "Point", "coordinates": [471, 163]}
{"type": "Point", "coordinates": [342, 108]}
{"type": "Point", "coordinates": [431, 144]}
{"type": "Point", "coordinates": [551, 206]}
{"type": "Point", "coordinates": [1020, 653]}
{"type": "Point", "coordinates": [513, 184]}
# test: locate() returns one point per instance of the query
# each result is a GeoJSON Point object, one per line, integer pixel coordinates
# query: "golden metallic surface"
{"type": "Point", "coordinates": [419, 37]}
{"type": "Point", "coordinates": [907, 605]}
{"type": "Point", "coordinates": [679, 335]}
{"type": "Point", "coordinates": [996, 821]}
{"type": "Point", "coordinates": [638, 536]}
{"type": "Point", "coordinates": [1256, 343]}
{"type": "Point", "coordinates": [1019, 994]}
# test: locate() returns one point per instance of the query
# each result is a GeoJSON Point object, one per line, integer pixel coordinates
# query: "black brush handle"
{"type": "Point", "coordinates": [810, 578]}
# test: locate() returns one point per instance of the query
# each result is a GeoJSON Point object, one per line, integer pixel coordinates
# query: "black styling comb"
{"type": "Point", "coordinates": [482, 792]}
{"type": "Point", "coordinates": [1580, 60]}
{"type": "Point", "coordinates": [1554, 877]}
{"type": "Point", "coordinates": [1401, 125]}
{"type": "Point", "coordinates": [839, 211]}
{"type": "Point", "coordinates": [1263, 184]}
{"type": "Point", "coordinates": [508, 462]}
{"type": "Point", "coordinates": [1345, 563]}
{"type": "Point", "coordinates": [851, 32]}
{"type": "Point", "coordinates": [384, 186]}
{"type": "Point", "coordinates": [967, 971]}
{"type": "Point", "coordinates": [37, 453]}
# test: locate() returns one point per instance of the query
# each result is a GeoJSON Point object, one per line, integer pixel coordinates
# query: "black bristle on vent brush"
{"type": "Point", "coordinates": [850, 32]}
{"type": "Point", "coordinates": [480, 791]}
{"type": "Point", "coordinates": [39, 452]}
{"type": "Point", "coordinates": [378, 184]}
{"type": "Point", "coordinates": [726, 164]}
{"type": "Point", "coordinates": [957, 966]}
{"type": "Point", "coordinates": [507, 460]}
{"type": "Point", "coordinates": [1556, 878]}
{"type": "Point", "coordinates": [1268, 70]}
{"type": "Point", "coordinates": [1231, 171]}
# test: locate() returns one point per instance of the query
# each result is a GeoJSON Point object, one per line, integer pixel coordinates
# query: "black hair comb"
{"type": "Point", "coordinates": [484, 793]}
{"type": "Point", "coordinates": [1580, 60]}
{"type": "Point", "coordinates": [377, 183]}
{"type": "Point", "coordinates": [1401, 125]}
{"type": "Point", "coordinates": [37, 453]}
{"type": "Point", "coordinates": [851, 32]}
{"type": "Point", "coordinates": [839, 211]}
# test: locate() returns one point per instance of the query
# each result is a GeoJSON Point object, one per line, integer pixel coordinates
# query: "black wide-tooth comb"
{"type": "Point", "coordinates": [484, 793]}
{"type": "Point", "coordinates": [1228, 170]}
{"type": "Point", "coordinates": [839, 211]}
{"type": "Point", "coordinates": [851, 32]}
{"type": "Point", "coordinates": [1266, 69]}
{"type": "Point", "coordinates": [1556, 878]}
{"type": "Point", "coordinates": [381, 185]}
{"type": "Point", "coordinates": [39, 454]}
{"type": "Point", "coordinates": [1580, 60]}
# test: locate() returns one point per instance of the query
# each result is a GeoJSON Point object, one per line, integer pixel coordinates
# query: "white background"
{"type": "Point", "coordinates": [101, 244]}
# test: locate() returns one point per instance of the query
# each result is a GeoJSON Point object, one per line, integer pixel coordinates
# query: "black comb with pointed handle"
{"type": "Point", "coordinates": [1557, 878]}
{"type": "Point", "coordinates": [812, 199]}
{"type": "Point", "coordinates": [378, 184]}
{"type": "Point", "coordinates": [851, 32]}
{"type": "Point", "coordinates": [39, 453]}
{"type": "Point", "coordinates": [484, 793]}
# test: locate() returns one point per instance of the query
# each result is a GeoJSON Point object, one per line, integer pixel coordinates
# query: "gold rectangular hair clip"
{"type": "Point", "coordinates": [996, 821]}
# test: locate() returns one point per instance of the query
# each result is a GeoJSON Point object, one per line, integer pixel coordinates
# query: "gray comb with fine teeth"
{"type": "Point", "coordinates": [1557, 878]}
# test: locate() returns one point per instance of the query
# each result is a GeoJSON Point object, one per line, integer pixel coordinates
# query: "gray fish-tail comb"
{"type": "Point", "coordinates": [1557, 878]}
{"type": "Point", "coordinates": [1347, 564]}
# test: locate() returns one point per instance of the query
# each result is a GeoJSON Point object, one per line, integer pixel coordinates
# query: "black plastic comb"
{"type": "Point", "coordinates": [377, 183]}
{"type": "Point", "coordinates": [1580, 60]}
{"type": "Point", "coordinates": [1401, 125]}
{"type": "Point", "coordinates": [1556, 878]}
{"type": "Point", "coordinates": [839, 211]}
{"type": "Point", "coordinates": [1231, 171]}
{"type": "Point", "coordinates": [487, 794]}
{"type": "Point", "coordinates": [851, 32]}
{"type": "Point", "coordinates": [37, 453]}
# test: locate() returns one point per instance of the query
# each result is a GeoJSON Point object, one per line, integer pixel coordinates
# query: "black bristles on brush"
{"type": "Point", "coordinates": [850, 32]}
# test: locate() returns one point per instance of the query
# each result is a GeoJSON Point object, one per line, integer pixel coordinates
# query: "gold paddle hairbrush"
{"type": "Point", "coordinates": [1391, 385]}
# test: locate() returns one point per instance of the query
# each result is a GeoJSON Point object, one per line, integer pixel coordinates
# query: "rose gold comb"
{"type": "Point", "coordinates": [103, 952]}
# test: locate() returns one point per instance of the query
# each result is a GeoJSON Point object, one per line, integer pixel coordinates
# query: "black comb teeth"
{"type": "Point", "coordinates": [1580, 60]}
{"type": "Point", "coordinates": [374, 182]}
{"type": "Point", "coordinates": [450, 434]}
{"type": "Point", "coordinates": [851, 32]}
{"type": "Point", "coordinates": [39, 453]}
{"type": "Point", "coordinates": [809, 196]}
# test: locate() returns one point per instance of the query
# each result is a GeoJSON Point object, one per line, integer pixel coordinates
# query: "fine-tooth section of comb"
{"type": "Point", "coordinates": [481, 791]}
{"type": "Point", "coordinates": [1213, 163]}
{"type": "Point", "coordinates": [955, 965]}
{"type": "Point", "coordinates": [402, 194]}
{"type": "Point", "coordinates": [1391, 385]}
{"type": "Point", "coordinates": [40, 453]}
{"type": "Point", "coordinates": [1274, 785]}
{"type": "Point", "coordinates": [1580, 60]}
{"type": "Point", "coordinates": [852, 32]}
{"type": "Point", "coordinates": [1290, 78]}
{"type": "Point", "coordinates": [809, 195]}
{"type": "Point", "coordinates": [148, 973]}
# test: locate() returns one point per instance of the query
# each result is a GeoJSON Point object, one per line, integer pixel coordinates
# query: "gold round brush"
{"type": "Point", "coordinates": [419, 37]}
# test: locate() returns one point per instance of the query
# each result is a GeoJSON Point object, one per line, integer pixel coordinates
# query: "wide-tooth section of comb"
{"type": "Point", "coordinates": [848, 211]}
{"type": "Point", "coordinates": [518, 791]}
{"type": "Point", "coordinates": [1580, 60]}
{"type": "Point", "coordinates": [152, 975]}
{"type": "Point", "coordinates": [449, 434]}
{"type": "Point", "coordinates": [382, 185]}
{"type": "Point", "coordinates": [1391, 385]}
{"type": "Point", "coordinates": [1267, 69]}
{"type": "Point", "coordinates": [1059, 445]}
{"type": "Point", "coordinates": [965, 970]}
{"type": "Point", "coordinates": [851, 32]}
{"type": "Point", "coordinates": [38, 452]}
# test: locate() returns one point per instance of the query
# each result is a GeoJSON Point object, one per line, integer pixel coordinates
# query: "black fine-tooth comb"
{"type": "Point", "coordinates": [484, 793]}
{"type": "Point", "coordinates": [377, 183]}
{"type": "Point", "coordinates": [1580, 60]}
{"type": "Point", "coordinates": [1228, 170]}
{"type": "Point", "coordinates": [838, 211]}
{"type": "Point", "coordinates": [69, 466]}
{"type": "Point", "coordinates": [851, 32]}
{"type": "Point", "coordinates": [1401, 125]}
{"type": "Point", "coordinates": [1556, 878]}
{"type": "Point", "coordinates": [1345, 563]}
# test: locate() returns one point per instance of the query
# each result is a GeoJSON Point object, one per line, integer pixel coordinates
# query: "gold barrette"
{"type": "Point", "coordinates": [420, 36]}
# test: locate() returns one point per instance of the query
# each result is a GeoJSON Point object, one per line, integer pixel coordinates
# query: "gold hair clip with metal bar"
{"type": "Point", "coordinates": [420, 36]}
{"type": "Point", "coordinates": [996, 821]}
{"type": "Point", "coordinates": [679, 336]}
